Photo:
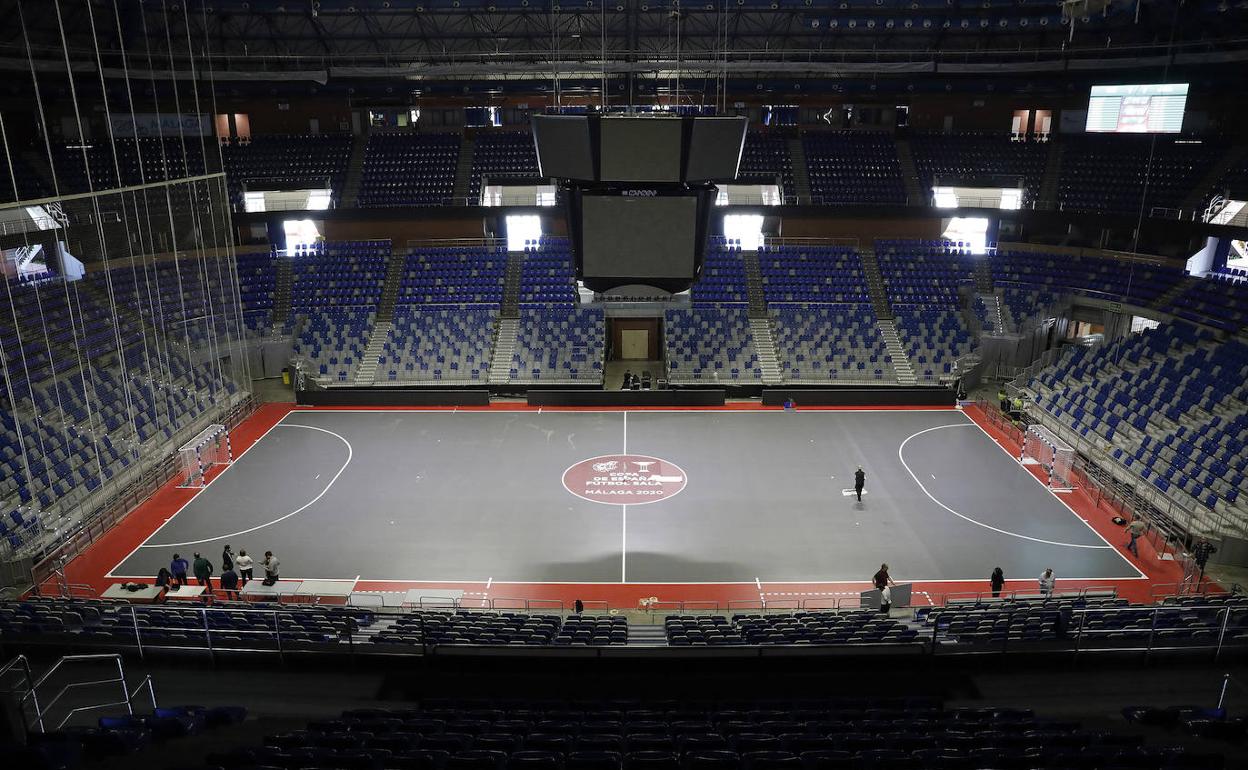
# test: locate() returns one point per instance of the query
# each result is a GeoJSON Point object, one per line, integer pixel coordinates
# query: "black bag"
{"type": "Point", "coordinates": [268, 581]}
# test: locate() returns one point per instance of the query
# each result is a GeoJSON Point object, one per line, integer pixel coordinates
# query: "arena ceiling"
{"type": "Point", "coordinates": [523, 39]}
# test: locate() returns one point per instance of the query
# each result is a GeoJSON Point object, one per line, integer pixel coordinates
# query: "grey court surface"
{"type": "Point", "coordinates": [741, 496]}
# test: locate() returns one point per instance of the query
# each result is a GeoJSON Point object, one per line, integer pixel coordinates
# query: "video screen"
{"type": "Point", "coordinates": [641, 149]}
{"type": "Point", "coordinates": [638, 237]}
{"type": "Point", "coordinates": [1142, 109]}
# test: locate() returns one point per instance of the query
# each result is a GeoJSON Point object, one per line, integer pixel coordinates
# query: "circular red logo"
{"type": "Point", "coordinates": [624, 479]}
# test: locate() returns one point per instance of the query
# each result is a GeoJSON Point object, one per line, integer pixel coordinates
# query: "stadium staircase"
{"type": "Point", "coordinates": [355, 173]}
{"type": "Point", "coordinates": [504, 348]}
{"type": "Point", "coordinates": [765, 349]}
{"type": "Point", "coordinates": [892, 343]}
{"type": "Point", "coordinates": [463, 171]}
{"type": "Point", "coordinates": [1199, 197]}
{"type": "Point", "coordinates": [1052, 175]}
{"type": "Point", "coordinates": [648, 635]}
{"type": "Point", "coordinates": [996, 312]}
{"type": "Point", "coordinates": [910, 174]}
{"type": "Point", "coordinates": [281, 294]}
{"type": "Point", "coordinates": [983, 277]}
{"type": "Point", "coordinates": [367, 370]}
{"type": "Point", "coordinates": [801, 180]}
{"type": "Point", "coordinates": [754, 284]}
{"type": "Point", "coordinates": [875, 285]}
{"type": "Point", "coordinates": [1165, 301]}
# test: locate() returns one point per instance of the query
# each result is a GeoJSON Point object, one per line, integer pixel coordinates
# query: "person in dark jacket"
{"type": "Point", "coordinates": [163, 578]}
{"type": "Point", "coordinates": [179, 568]}
{"type": "Point", "coordinates": [1201, 553]}
{"type": "Point", "coordinates": [227, 559]}
{"type": "Point", "coordinates": [881, 578]}
{"type": "Point", "coordinates": [203, 570]}
{"type": "Point", "coordinates": [229, 584]}
{"type": "Point", "coordinates": [997, 581]}
{"type": "Point", "coordinates": [860, 481]}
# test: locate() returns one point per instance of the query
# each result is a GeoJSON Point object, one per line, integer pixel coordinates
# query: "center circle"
{"type": "Point", "coordinates": [625, 479]}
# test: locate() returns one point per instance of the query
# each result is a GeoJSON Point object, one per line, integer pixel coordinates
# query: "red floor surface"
{"type": "Point", "coordinates": [91, 567]}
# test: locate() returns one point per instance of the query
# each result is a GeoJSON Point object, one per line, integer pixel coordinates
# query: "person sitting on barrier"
{"type": "Point", "coordinates": [881, 578]}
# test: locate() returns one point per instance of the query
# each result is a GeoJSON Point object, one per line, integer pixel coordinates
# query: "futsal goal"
{"type": "Point", "coordinates": [1042, 447]}
{"type": "Point", "coordinates": [211, 447]}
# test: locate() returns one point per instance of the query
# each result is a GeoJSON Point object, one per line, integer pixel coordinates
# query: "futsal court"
{"type": "Point", "coordinates": [633, 497]}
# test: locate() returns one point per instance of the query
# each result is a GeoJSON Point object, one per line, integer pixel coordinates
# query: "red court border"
{"type": "Point", "coordinates": [92, 567]}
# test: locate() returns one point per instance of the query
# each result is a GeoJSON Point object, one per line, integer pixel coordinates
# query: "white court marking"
{"type": "Point", "coordinates": [300, 509]}
{"type": "Point", "coordinates": [964, 517]}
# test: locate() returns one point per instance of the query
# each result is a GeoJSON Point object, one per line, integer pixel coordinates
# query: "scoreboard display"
{"type": "Point", "coordinates": [1137, 109]}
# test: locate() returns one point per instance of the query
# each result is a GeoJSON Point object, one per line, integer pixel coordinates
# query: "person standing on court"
{"type": "Point", "coordinates": [244, 564]}
{"type": "Point", "coordinates": [203, 570]}
{"type": "Point", "coordinates": [1048, 581]}
{"type": "Point", "coordinates": [860, 481]}
{"type": "Point", "coordinates": [227, 559]}
{"type": "Point", "coordinates": [881, 578]}
{"type": "Point", "coordinates": [997, 581]}
{"type": "Point", "coordinates": [179, 568]}
{"type": "Point", "coordinates": [229, 583]}
{"type": "Point", "coordinates": [1201, 553]}
{"type": "Point", "coordinates": [1135, 529]}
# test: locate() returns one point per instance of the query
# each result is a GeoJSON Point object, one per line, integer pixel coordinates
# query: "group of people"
{"type": "Point", "coordinates": [236, 571]}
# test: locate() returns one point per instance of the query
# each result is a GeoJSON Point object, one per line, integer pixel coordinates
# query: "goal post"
{"type": "Point", "coordinates": [211, 447]}
{"type": "Point", "coordinates": [1043, 447]}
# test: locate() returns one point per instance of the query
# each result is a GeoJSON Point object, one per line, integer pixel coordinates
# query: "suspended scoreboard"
{"type": "Point", "coordinates": [639, 191]}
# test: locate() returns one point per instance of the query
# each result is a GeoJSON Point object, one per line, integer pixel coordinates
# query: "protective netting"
{"type": "Point", "coordinates": [121, 331]}
{"type": "Point", "coordinates": [1043, 447]}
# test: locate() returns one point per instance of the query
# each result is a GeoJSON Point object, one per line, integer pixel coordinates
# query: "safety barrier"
{"type": "Point", "coordinates": [42, 711]}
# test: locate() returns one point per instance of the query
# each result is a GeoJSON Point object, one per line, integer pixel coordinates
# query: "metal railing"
{"type": "Point", "coordinates": [42, 711]}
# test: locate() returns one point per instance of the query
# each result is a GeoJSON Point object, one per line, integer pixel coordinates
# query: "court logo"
{"type": "Point", "coordinates": [625, 479]}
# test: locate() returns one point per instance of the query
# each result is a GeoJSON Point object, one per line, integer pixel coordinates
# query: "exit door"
{"type": "Point", "coordinates": [634, 344]}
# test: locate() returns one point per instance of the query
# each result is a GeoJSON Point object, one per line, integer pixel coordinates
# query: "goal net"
{"type": "Point", "coordinates": [1042, 447]}
{"type": "Point", "coordinates": [211, 447]}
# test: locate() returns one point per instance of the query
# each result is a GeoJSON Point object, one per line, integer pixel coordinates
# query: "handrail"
{"type": "Point", "coordinates": [24, 662]}
{"type": "Point", "coordinates": [120, 680]}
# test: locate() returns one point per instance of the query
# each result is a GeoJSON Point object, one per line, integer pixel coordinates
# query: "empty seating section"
{"type": "Point", "coordinates": [547, 276]}
{"type": "Point", "coordinates": [439, 344]}
{"type": "Point", "coordinates": [334, 294]}
{"type": "Point", "coordinates": [1171, 401]}
{"type": "Point", "coordinates": [453, 275]}
{"type": "Point", "coordinates": [1105, 278]}
{"type": "Point", "coordinates": [978, 160]}
{"type": "Point", "coordinates": [30, 185]}
{"type": "Point", "coordinates": [710, 345]}
{"type": "Point", "coordinates": [559, 345]}
{"type": "Point", "coordinates": [340, 273]}
{"type": "Point", "coordinates": [504, 628]}
{"type": "Point", "coordinates": [409, 170]}
{"type": "Point", "coordinates": [279, 162]}
{"type": "Point", "coordinates": [812, 274]}
{"type": "Point", "coordinates": [801, 628]}
{"type": "Point", "coordinates": [1233, 184]}
{"type": "Point", "coordinates": [103, 621]}
{"type": "Point", "coordinates": [922, 280]}
{"type": "Point", "coordinates": [593, 733]}
{"type": "Point", "coordinates": [925, 272]}
{"type": "Point", "coordinates": [853, 168]}
{"type": "Point", "coordinates": [821, 343]}
{"type": "Point", "coordinates": [149, 159]}
{"type": "Point", "coordinates": [257, 282]}
{"type": "Point", "coordinates": [1216, 302]}
{"type": "Point", "coordinates": [1025, 301]}
{"type": "Point", "coordinates": [723, 276]}
{"type": "Point", "coordinates": [767, 156]}
{"type": "Point", "coordinates": [1108, 173]}
{"type": "Point", "coordinates": [501, 154]}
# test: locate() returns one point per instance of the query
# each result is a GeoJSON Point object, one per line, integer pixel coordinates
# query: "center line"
{"type": "Point", "coordinates": [624, 543]}
{"type": "Point", "coordinates": [625, 434]}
